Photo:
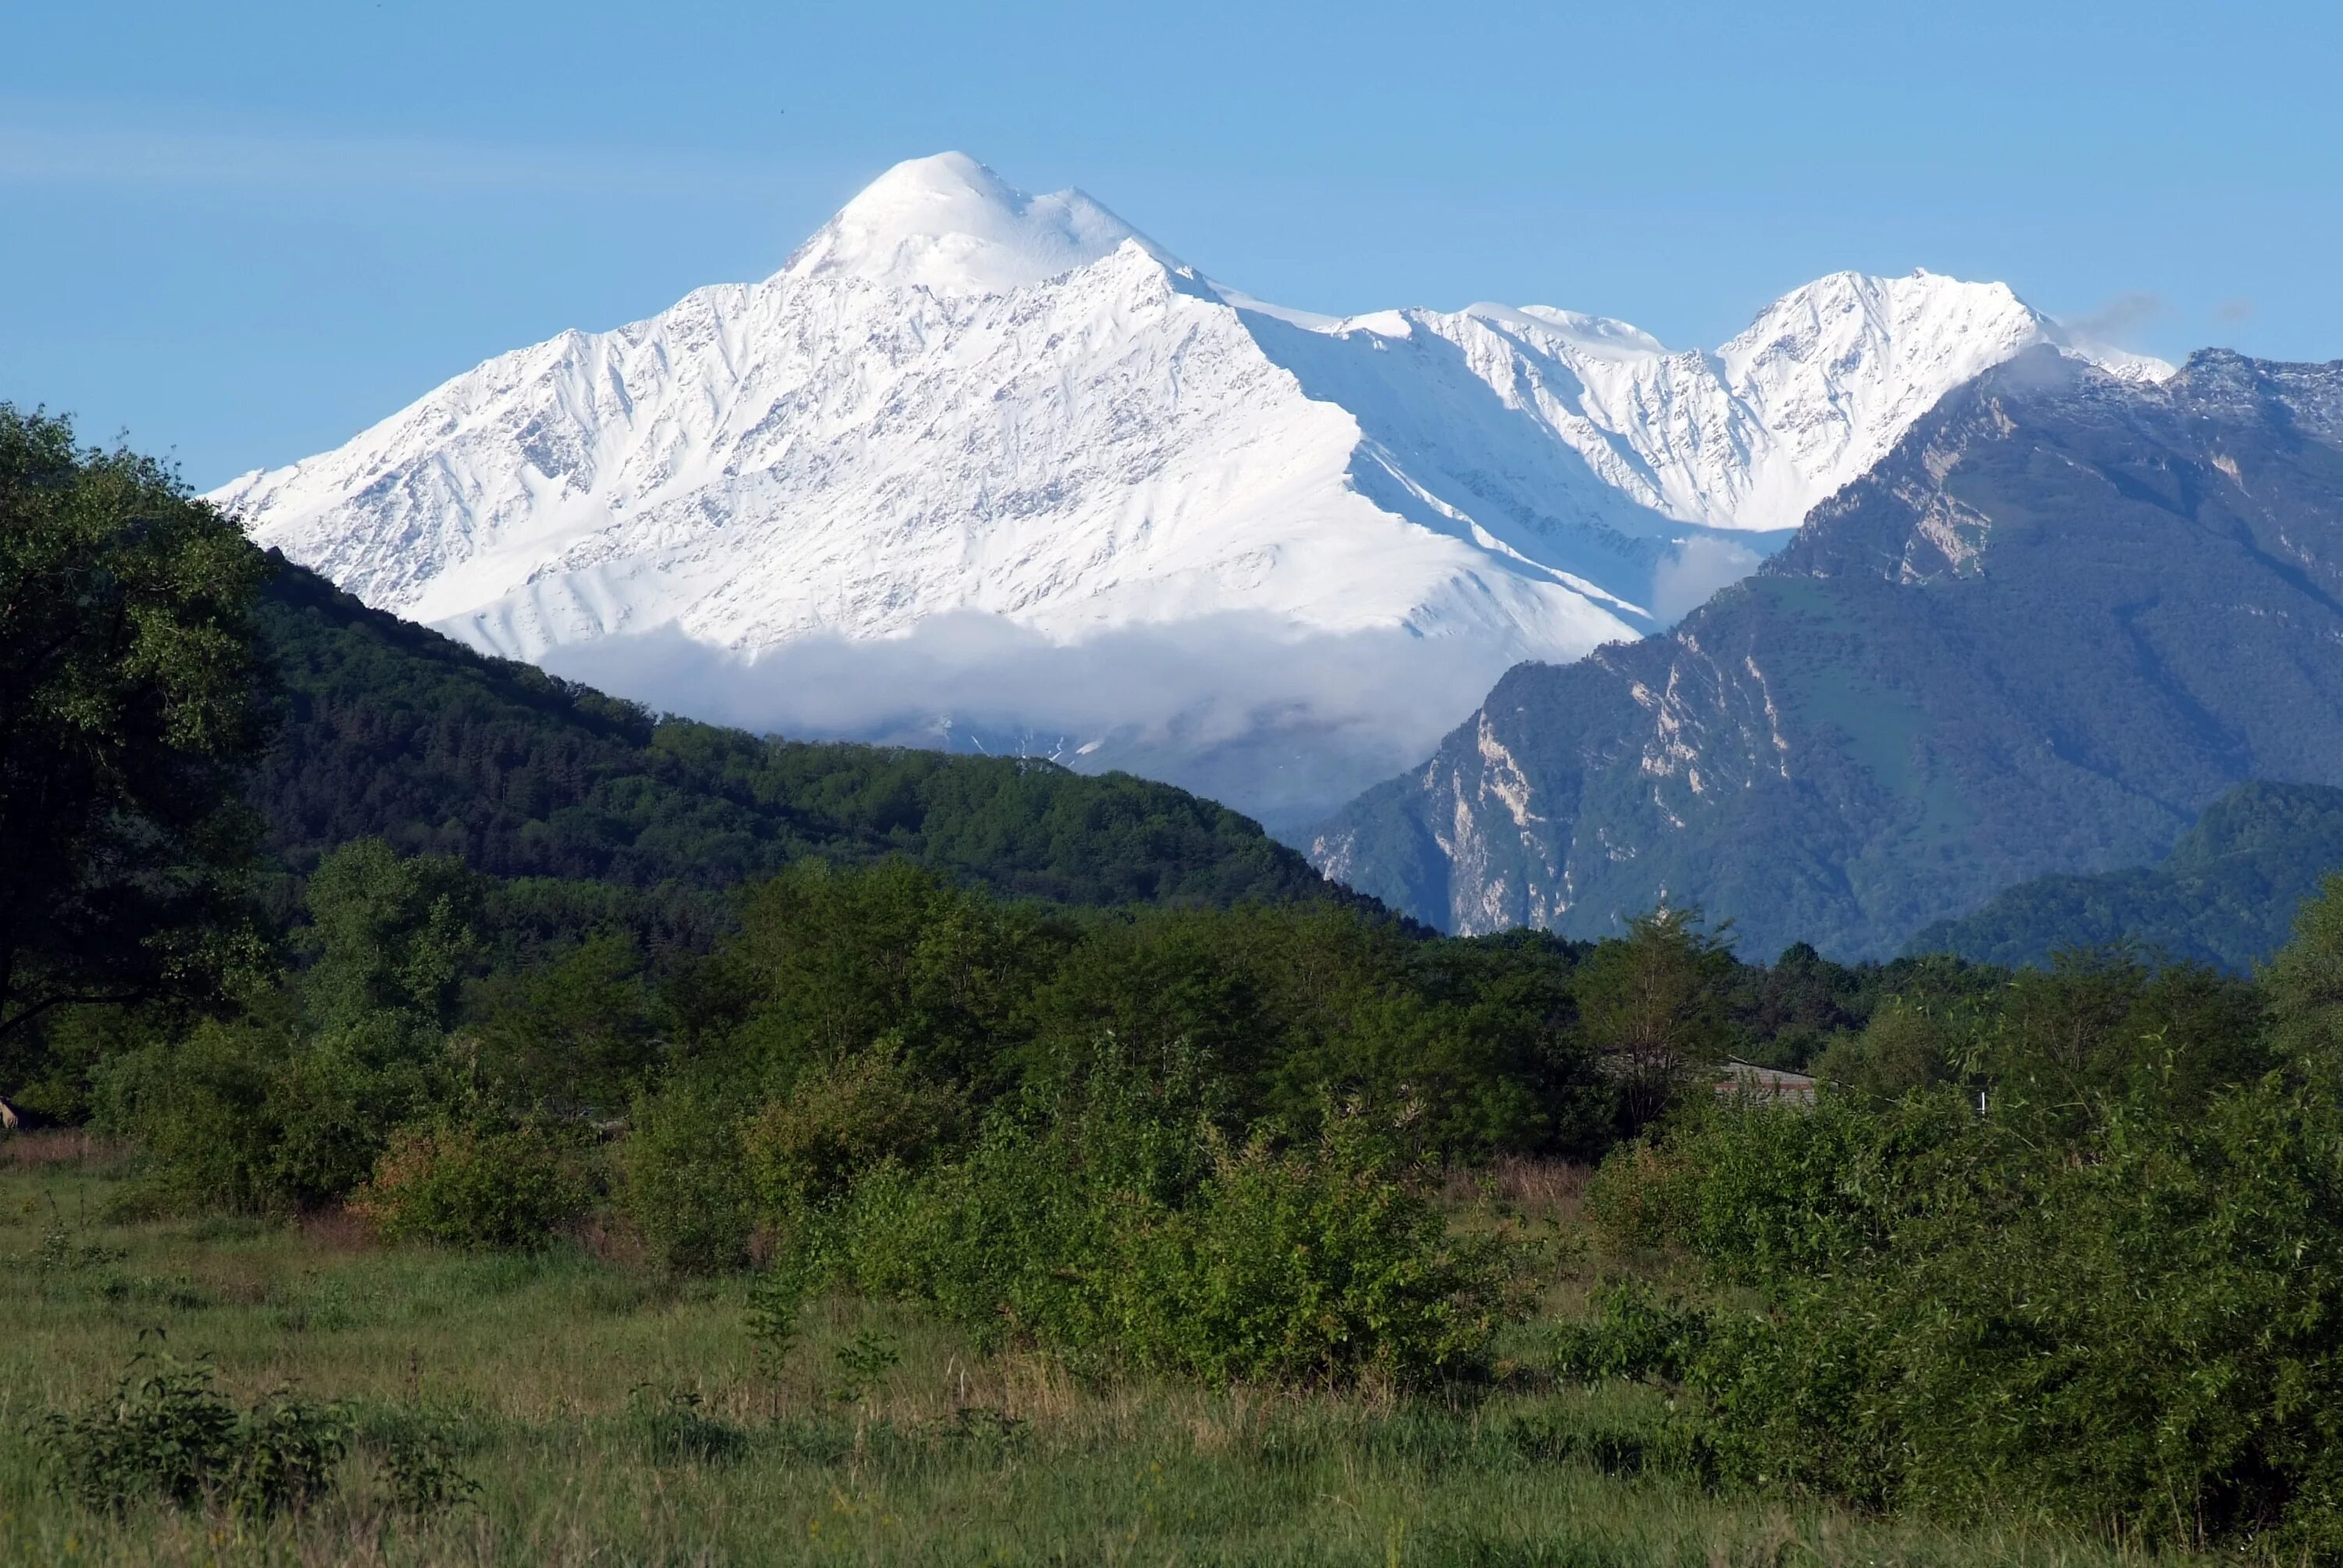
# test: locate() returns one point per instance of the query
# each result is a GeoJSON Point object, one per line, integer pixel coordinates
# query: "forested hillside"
{"type": "Point", "coordinates": [389, 729]}
{"type": "Point", "coordinates": [2225, 896]}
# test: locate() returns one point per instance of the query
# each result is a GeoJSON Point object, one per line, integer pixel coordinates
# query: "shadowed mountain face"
{"type": "Point", "coordinates": [2063, 614]}
{"type": "Point", "coordinates": [2226, 894]}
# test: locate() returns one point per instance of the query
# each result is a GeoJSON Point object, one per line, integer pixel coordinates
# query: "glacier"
{"type": "Point", "coordinates": [988, 469]}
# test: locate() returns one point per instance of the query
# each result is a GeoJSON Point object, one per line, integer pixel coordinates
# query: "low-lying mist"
{"type": "Point", "coordinates": [1282, 727]}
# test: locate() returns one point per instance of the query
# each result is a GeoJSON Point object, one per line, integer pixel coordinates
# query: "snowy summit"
{"type": "Point", "coordinates": [950, 224]}
{"type": "Point", "coordinates": [999, 469]}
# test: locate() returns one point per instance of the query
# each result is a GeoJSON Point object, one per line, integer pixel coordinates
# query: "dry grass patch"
{"type": "Point", "coordinates": [55, 1148]}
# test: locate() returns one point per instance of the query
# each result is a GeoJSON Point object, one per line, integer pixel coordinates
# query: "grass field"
{"type": "Point", "coordinates": [607, 1416]}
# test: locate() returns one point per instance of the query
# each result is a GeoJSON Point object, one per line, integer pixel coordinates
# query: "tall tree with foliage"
{"type": "Point", "coordinates": [391, 934]}
{"type": "Point", "coordinates": [1653, 1004]}
{"type": "Point", "coordinates": [128, 717]}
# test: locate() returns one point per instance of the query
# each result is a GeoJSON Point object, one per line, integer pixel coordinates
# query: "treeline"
{"type": "Point", "coordinates": [1182, 1138]}
{"type": "Point", "coordinates": [2073, 1257]}
{"type": "Point", "coordinates": [1519, 1043]}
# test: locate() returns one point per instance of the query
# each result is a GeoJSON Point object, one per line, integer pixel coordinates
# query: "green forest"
{"type": "Point", "coordinates": [383, 729]}
{"type": "Point", "coordinates": [2225, 895]}
{"type": "Point", "coordinates": [457, 1116]}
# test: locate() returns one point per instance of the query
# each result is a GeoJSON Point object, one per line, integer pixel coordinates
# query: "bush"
{"type": "Point", "coordinates": [1963, 1318]}
{"type": "Point", "coordinates": [418, 1449]}
{"type": "Point", "coordinates": [841, 1120]}
{"type": "Point", "coordinates": [1636, 1333]}
{"type": "Point", "coordinates": [256, 1117]}
{"type": "Point", "coordinates": [1115, 1225]}
{"type": "Point", "coordinates": [1776, 1190]}
{"type": "Point", "coordinates": [168, 1434]}
{"type": "Point", "coordinates": [1326, 1262]}
{"type": "Point", "coordinates": [1905, 1046]}
{"type": "Point", "coordinates": [1641, 1199]}
{"type": "Point", "coordinates": [2142, 1332]}
{"type": "Point", "coordinates": [685, 1185]}
{"type": "Point", "coordinates": [420, 1465]}
{"type": "Point", "coordinates": [466, 1186]}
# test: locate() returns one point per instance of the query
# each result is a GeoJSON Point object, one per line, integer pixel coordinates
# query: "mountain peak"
{"type": "Point", "coordinates": [949, 224]}
{"type": "Point", "coordinates": [1901, 301]}
{"type": "Point", "coordinates": [968, 431]}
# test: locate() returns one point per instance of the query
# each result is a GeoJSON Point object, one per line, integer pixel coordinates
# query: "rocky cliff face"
{"type": "Point", "coordinates": [2065, 612]}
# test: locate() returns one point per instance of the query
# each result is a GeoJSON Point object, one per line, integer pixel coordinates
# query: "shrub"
{"type": "Point", "coordinates": [1641, 1197]}
{"type": "Point", "coordinates": [1325, 1261]}
{"type": "Point", "coordinates": [1905, 1046]}
{"type": "Point", "coordinates": [1963, 1318]}
{"type": "Point", "coordinates": [167, 1434]}
{"type": "Point", "coordinates": [841, 1120]}
{"type": "Point", "coordinates": [1115, 1226]}
{"type": "Point", "coordinates": [467, 1186]}
{"type": "Point", "coordinates": [685, 1184]}
{"type": "Point", "coordinates": [255, 1116]}
{"type": "Point", "coordinates": [419, 1448]}
{"type": "Point", "coordinates": [420, 1465]}
{"type": "Point", "coordinates": [1773, 1190]}
{"type": "Point", "coordinates": [1636, 1333]}
{"type": "Point", "coordinates": [333, 1100]}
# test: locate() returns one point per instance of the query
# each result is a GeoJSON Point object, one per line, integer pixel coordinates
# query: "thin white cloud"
{"type": "Point", "coordinates": [52, 149]}
{"type": "Point", "coordinates": [1690, 575]}
{"type": "Point", "coordinates": [2121, 320]}
{"type": "Point", "coordinates": [1235, 706]}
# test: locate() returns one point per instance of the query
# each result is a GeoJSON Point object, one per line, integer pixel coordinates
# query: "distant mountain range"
{"type": "Point", "coordinates": [999, 472]}
{"type": "Point", "coordinates": [2063, 614]}
{"type": "Point", "coordinates": [2226, 894]}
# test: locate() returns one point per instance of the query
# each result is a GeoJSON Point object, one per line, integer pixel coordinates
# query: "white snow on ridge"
{"type": "Point", "coordinates": [950, 223]}
{"type": "Point", "coordinates": [959, 401]}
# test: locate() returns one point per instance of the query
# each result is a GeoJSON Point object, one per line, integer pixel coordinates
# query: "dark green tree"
{"type": "Point", "coordinates": [129, 720]}
{"type": "Point", "coordinates": [2304, 982]}
{"type": "Point", "coordinates": [1653, 1004]}
{"type": "Point", "coordinates": [393, 934]}
{"type": "Point", "coordinates": [576, 1032]}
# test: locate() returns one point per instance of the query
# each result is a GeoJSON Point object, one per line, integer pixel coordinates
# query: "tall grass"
{"type": "Point", "coordinates": [604, 1415]}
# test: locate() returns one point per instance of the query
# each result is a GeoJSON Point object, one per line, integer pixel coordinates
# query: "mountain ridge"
{"type": "Point", "coordinates": [2225, 895]}
{"type": "Point", "coordinates": [2064, 613]}
{"type": "Point", "coordinates": [958, 400]}
{"type": "Point", "coordinates": [391, 730]}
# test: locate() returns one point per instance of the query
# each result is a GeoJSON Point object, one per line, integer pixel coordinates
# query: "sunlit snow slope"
{"type": "Point", "coordinates": [997, 468]}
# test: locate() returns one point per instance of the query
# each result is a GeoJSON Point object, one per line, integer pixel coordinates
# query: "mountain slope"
{"type": "Point", "coordinates": [971, 457]}
{"type": "Point", "coordinates": [2226, 894]}
{"type": "Point", "coordinates": [390, 729]}
{"type": "Point", "coordinates": [2064, 613]}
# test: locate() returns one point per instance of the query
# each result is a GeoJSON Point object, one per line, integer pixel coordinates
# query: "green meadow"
{"type": "Point", "coordinates": [606, 1415]}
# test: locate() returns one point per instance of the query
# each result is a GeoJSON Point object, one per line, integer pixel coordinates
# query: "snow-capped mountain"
{"type": "Point", "coordinates": [1000, 463]}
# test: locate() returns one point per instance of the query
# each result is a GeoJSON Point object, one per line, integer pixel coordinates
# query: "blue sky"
{"type": "Point", "coordinates": [241, 231]}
